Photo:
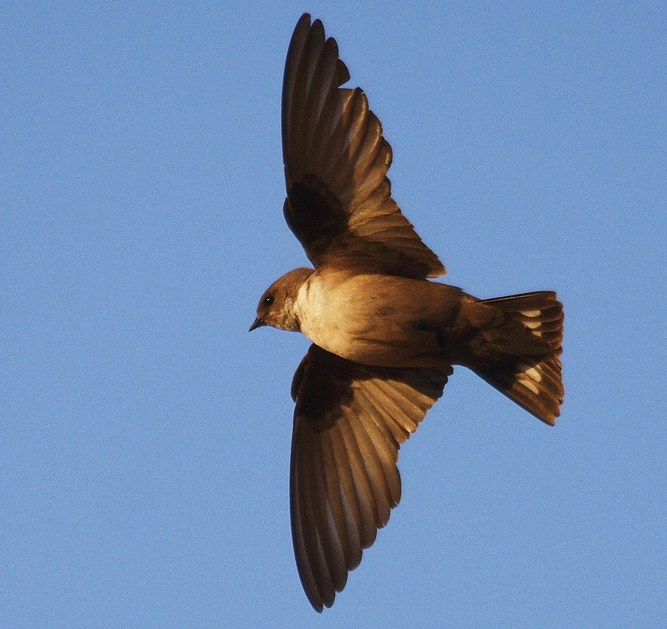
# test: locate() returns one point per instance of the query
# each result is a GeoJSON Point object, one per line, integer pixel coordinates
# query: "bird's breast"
{"type": "Point", "coordinates": [374, 319]}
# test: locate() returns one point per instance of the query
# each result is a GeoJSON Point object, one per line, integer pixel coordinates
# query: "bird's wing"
{"type": "Point", "coordinates": [339, 202]}
{"type": "Point", "coordinates": [349, 423]}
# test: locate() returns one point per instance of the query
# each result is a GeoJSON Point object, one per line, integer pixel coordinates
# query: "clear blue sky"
{"type": "Point", "coordinates": [145, 435]}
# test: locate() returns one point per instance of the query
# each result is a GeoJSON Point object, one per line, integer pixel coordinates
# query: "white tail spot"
{"type": "Point", "coordinates": [531, 313]}
{"type": "Point", "coordinates": [534, 326]}
{"type": "Point", "coordinates": [529, 384]}
{"type": "Point", "coordinates": [534, 373]}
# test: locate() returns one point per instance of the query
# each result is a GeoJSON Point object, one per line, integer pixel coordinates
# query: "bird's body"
{"type": "Point", "coordinates": [384, 335]}
{"type": "Point", "coordinates": [377, 320]}
{"type": "Point", "coordinates": [383, 320]}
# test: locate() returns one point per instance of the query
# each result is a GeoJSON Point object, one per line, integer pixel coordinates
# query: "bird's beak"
{"type": "Point", "coordinates": [257, 323]}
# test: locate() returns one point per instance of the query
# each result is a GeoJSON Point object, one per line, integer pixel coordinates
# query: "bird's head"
{"type": "Point", "coordinates": [276, 305]}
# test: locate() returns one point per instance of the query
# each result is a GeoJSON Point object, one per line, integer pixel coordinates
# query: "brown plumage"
{"type": "Point", "coordinates": [384, 336]}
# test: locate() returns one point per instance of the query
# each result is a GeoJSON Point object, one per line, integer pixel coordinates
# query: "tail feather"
{"type": "Point", "coordinates": [535, 383]}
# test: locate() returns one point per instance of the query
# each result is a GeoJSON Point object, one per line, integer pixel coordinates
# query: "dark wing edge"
{"type": "Point", "coordinates": [339, 202]}
{"type": "Point", "coordinates": [349, 423]}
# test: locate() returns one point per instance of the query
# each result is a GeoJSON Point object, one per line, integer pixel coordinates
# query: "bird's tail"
{"type": "Point", "coordinates": [532, 377]}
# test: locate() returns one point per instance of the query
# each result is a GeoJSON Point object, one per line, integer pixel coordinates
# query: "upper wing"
{"type": "Point", "coordinates": [339, 201]}
{"type": "Point", "coordinates": [349, 423]}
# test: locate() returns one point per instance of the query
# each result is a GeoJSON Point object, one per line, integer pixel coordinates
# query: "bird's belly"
{"type": "Point", "coordinates": [370, 321]}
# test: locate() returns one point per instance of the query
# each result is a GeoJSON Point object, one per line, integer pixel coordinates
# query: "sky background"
{"type": "Point", "coordinates": [145, 435]}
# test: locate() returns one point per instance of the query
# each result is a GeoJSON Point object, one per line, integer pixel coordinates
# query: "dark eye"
{"type": "Point", "coordinates": [268, 300]}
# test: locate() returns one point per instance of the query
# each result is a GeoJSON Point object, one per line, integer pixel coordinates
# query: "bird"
{"type": "Point", "coordinates": [385, 337]}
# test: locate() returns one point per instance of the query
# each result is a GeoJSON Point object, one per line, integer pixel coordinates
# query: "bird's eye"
{"type": "Point", "coordinates": [268, 300]}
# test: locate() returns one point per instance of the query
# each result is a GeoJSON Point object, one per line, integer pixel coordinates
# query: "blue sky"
{"type": "Point", "coordinates": [145, 435]}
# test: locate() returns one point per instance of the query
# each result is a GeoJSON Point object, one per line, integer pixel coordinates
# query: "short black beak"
{"type": "Point", "coordinates": [257, 323]}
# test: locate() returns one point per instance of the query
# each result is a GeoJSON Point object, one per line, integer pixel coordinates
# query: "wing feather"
{"type": "Point", "coordinates": [349, 422]}
{"type": "Point", "coordinates": [336, 163]}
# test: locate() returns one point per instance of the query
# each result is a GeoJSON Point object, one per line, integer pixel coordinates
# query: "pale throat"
{"type": "Point", "coordinates": [325, 309]}
{"type": "Point", "coordinates": [311, 307]}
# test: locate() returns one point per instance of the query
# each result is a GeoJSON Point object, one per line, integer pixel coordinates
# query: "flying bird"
{"type": "Point", "coordinates": [384, 337]}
